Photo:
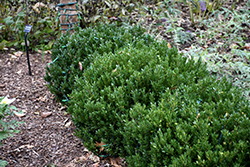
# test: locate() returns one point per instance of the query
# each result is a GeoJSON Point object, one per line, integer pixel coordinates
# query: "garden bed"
{"type": "Point", "coordinates": [43, 140]}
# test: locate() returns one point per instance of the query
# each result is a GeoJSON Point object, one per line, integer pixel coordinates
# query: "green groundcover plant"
{"type": "Point", "coordinates": [7, 128]}
{"type": "Point", "coordinates": [157, 108]}
{"type": "Point", "coordinates": [72, 54]}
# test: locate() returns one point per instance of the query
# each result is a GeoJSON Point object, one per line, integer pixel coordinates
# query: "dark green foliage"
{"type": "Point", "coordinates": [114, 83]}
{"type": "Point", "coordinates": [156, 108]}
{"type": "Point", "coordinates": [82, 47]}
{"type": "Point", "coordinates": [206, 124]}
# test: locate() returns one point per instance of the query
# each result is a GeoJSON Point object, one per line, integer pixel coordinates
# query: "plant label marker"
{"type": "Point", "coordinates": [27, 30]}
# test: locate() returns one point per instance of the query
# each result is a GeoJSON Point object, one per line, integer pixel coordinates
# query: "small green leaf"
{"type": "Point", "coordinates": [2, 44]}
{"type": "Point", "coordinates": [3, 163]}
{"type": "Point", "coordinates": [13, 107]}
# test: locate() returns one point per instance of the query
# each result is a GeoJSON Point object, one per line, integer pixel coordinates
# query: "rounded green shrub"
{"type": "Point", "coordinates": [71, 54]}
{"type": "Point", "coordinates": [116, 82]}
{"type": "Point", "coordinates": [205, 124]}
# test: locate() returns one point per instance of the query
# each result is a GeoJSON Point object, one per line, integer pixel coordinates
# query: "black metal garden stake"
{"type": "Point", "coordinates": [27, 30]}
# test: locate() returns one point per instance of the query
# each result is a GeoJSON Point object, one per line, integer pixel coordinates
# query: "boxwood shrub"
{"type": "Point", "coordinates": [205, 124]}
{"type": "Point", "coordinates": [156, 108]}
{"type": "Point", "coordinates": [151, 105]}
{"type": "Point", "coordinates": [116, 82]}
{"type": "Point", "coordinates": [72, 51]}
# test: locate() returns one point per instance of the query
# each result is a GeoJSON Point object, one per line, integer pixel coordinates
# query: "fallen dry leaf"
{"type": "Point", "coordinates": [80, 65]}
{"type": "Point", "coordinates": [100, 145]}
{"type": "Point", "coordinates": [169, 46]}
{"type": "Point", "coordinates": [116, 162]}
{"type": "Point", "coordinates": [18, 54]}
{"type": "Point", "coordinates": [81, 159]}
{"type": "Point", "coordinates": [45, 114]}
{"type": "Point", "coordinates": [28, 146]}
{"type": "Point", "coordinates": [13, 56]}
{"type": "Point", "coordinates": [160, 27]}
{"type": "Point", "coordinates": [68, 124]}
{"type": "Point", "coordinates": [71, 164]}
{"type": "Point", "coordinates": [85, 150]}
{"type": "Point", "coordinates": [23, 43]}
{"type": "Point", "coordinates": [233, 46]}
{"type": "Point", "coordinates": [220, 43]}
{"type": "Point", "coordinates": [42, 98]}
{"type": "Point", "coordinates": [96, 164]}
{"type": "Point", "coordinates": [173, 88]}
{"type": "Point", "coordinates": [39, 51]}
{"type": "Point", "coordinates": [36, 112]}
{"type": "Point", "coordinates": [63, 108]}
{"type": "Point", "coordinates": [19, 72]}
{"type": "Point", "coordinates": [20, 114]}
{"type": "Point", "coordinates": [94, 158]}
{"type": "Point", "coordinates": [48, 51]}
{"type": "Point", "coordinates": [65, 120]}
{"type": "Point", "coordinates": [39, 4]}
{"type": "Point", "coordinates": [247, 46]}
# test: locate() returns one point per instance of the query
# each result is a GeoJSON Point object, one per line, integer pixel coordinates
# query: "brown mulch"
{"type": "Point", "coordinates": [43, 140]}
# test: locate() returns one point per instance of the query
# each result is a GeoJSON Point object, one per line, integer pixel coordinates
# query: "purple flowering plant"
{"type": "Point", "coordinates": [200, 8]}
{"type": "Point", "coordinates": [203, 6]}
{"type": "Point", "coordinates": [164, 20]}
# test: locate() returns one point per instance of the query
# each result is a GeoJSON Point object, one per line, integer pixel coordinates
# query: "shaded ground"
{"type": "Point", "coordinates": [43, 141]}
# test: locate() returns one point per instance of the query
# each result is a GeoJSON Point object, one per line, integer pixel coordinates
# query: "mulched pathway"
{"type": "Point", "coordinates": [43, 140]}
